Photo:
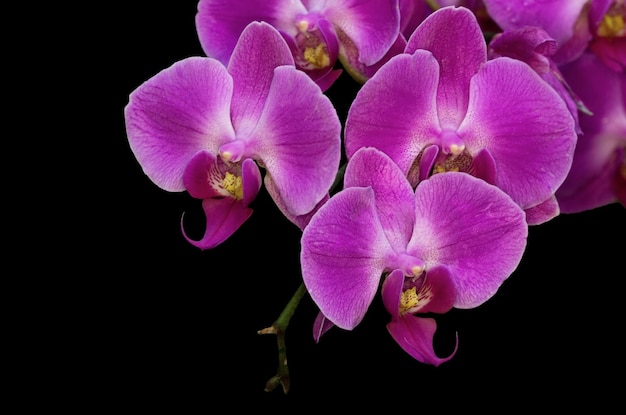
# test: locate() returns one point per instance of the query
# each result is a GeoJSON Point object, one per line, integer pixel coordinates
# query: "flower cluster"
{"type": "Point", "coordinates": [473, 121]}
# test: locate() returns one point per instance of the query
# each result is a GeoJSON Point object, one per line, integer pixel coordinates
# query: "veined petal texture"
{"type": "Point", "coordinates": [298, 139]}
{"type": "Point", "coordinates": [179, 111]}
{"type": "Point", "coordinates": [252, 69]}
{"type": "Point", "coordinates": [526, 127]}
{"type": "Point", "coordinates": [220, 22]}
{"type": "Point", "coordinates": [342, 256]}
{"type": "Point", "coordinates": [473, 228]}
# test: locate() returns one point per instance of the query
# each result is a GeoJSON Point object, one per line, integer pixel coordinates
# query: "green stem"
{"type": "Point", "coordinates": [279, 327]}
{"type": "Point", "coordinates": [434, 4]}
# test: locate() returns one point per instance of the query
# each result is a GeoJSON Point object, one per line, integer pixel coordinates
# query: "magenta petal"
{"type": "Point", "coordinates": [321, 326]}
{"type": "Point", "coordinates": [342, 256]}
{"type": "Point", "coordinates": [251, 180]}
{"type": "Point", "coordinates": [391, 292]}
{"type": "Point", "coordinates": [252, 69]}
{"type": "Point", "coordinates": [328, 79]}
{"type": "Point", "coordinates": [415, 335]}
{"type": "Point", "coordinates": [301, 221]}
{"type": "Point", "coordinates": [531, 140]}
{"type": "Point", "coordinates": [394, 195]}
{"type": "Point", "coordinates": [454, 37]}
{"type": "Point", "coordinates": [371, 25]}
{"type": "Point", "coordinates": [598, 157]}
{"type": "Point", "coordinates": [395, 110]}
{"type": "Point", "coordinates": [197, 176]}
{"type": "Point", "coordinates": [300, 147]}
{"type": "Point", "coordinates": [440, 291]}
{"type": "Point", "coordinates": [176, 113]}
{"type": "Point", "coordinates": [223, 217]}
{"type": "Point", "coordinates": [543, 212]}
{"type": "Point", "coordinates": [329, 34]}
{"type": "Point", "coordinates": [427, 162]}
{"type": "Point", "coordinates": [480, 235]}
{"type": "Point", "coordinates": [557, 17]}
{"type": "Point", "coordinates": [484, 166]}
{"type": "Point", "coordinates": [528, 44]}
{"type": "Point", "coordinates": [220, 22]}
{"type": "Point", "coordinates": [395, 49]}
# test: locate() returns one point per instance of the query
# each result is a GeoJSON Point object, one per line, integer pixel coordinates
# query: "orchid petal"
{"type": "Point", "coordinates": [557, 17]}
{"type": "Point", "coordinates": [597, 156]}
{"type": "Point", "coordinates": [252, 69]}
{"type": "Point", "coordinates": [391, 292]}
{"type": "Point", "coordinates": [370, 167]}
{"type": "Point", "coordinates": [321, 326]}
{"type": "Point", "coordinates": [440, 289]}
{"type": "Point", "coordinates": [531, 140]}
{"type": "Point", "coordinates": [197, 175]}
{"type": "Point", "coordinates": [528, 44]}
{"type": "Point", "coordinates": [394, 110]}
{"type": "Point", "coordinates": [176, 113]}
{"type": "Point", "coordinates": [342, 256]}
{"type": "Point", "coordinates": [298, 139]}
{"type": "Point", "coordinates": [426, 163]}
{"type": "Point", "coordinates": [415, 336]}
{"type": "Point", "coordinates": [543, 212]}
{"type": "Point", "coordinates": [453, 36]}
{"type": "Point", "coordinates": [223, 217]}
{"type": "Point", "coordinates": [328, 79]}
{"type": "Point", "coordinates": [473, 228]}
{"type": "Point", "coordinates": [301, 221]}
{"type": "Point", "coordinates": [251, 180]}
{"type": "Point", "coordinates": [361, 72]}
{"type": "Point", "coordinates": [219, 23]}
{"type": "Point", "coordinates": [412, 13]}
{"type": "Point", "coordinates": [371, 25]}
{"type": "Point", "coordinates": [484, 166]}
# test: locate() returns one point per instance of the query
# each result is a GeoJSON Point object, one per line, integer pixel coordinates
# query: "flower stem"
{"type": "Point", "coordinates": [434, 4]}
{"type": "Point", "coordinates": [279, 327]}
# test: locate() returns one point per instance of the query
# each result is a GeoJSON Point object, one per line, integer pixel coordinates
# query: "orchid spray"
{"type": "Point", "coordinates": [473, 121]}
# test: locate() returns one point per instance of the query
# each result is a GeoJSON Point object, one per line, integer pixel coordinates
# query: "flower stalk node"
{"type": "Point", "coordinates": [279, 327]}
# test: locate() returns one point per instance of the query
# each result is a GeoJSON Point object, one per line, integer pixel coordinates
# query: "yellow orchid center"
{"type": "Point", "coordinates": [233, 185]}
{"type": "Point", "coordinates": [612, 24]}
{"type": "Point", "coordinates": [317, 56]}
{"type": "Point", "coordinates": [408, 300]}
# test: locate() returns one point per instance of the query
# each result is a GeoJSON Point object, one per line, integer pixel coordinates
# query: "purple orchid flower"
{"type": "Point", "coordinates": [598, 173]}
{"type": "Point", "coordinates": [206, 128]}
{"type": "Point", "coordinates": [607, 23]}
{"type": "Point", "coordinates": [451, 242]}
{"type": "Point", "coordinates": [358, 33]}
{"type": "Point", "coordinates": [574, 24]}
{"type": "Point", "coordinates": [563, 20]}
{"type": "Point", "coordinates": [441, 106]}
{"type": "Point", "coordinates": [534, 46]}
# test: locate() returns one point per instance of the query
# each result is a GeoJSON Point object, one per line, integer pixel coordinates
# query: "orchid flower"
{"type": "Point", "coordinates": [442, 107]}
{"type": "Point", "coordinates": [574, 24]}
{"type": "Point", "coordinates": [451, 242]}
{"type": "Point", "coordinates": [534, 46]}
{"type": "Point", "coordinates": [357, 33]}
{"type": "Point", "coordinates": [598, 173]}
{"type": "Point", "coordinates": [207, 128]}
{"type": "Point", "coordinates": [607, 22]}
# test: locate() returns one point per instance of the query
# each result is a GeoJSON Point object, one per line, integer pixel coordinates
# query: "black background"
{"type": "Point", "coordinates": [161, 325]}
